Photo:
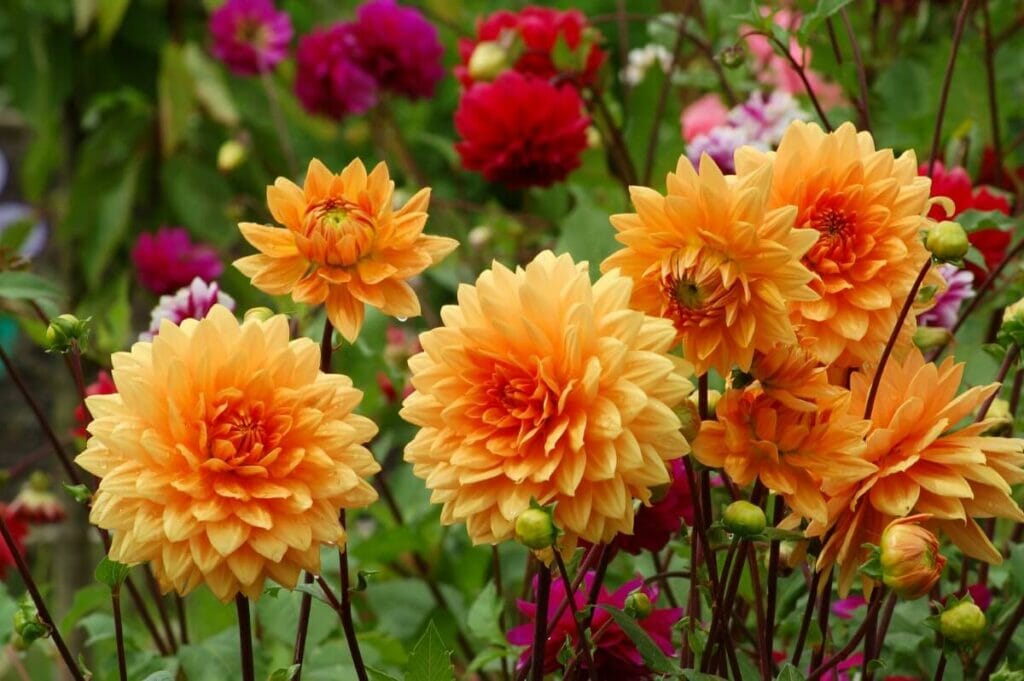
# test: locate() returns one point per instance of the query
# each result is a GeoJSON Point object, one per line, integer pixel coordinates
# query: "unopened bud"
{"type": "Point", "coordinates": [744, 519]}
{"type": "Point", "coordinates": [594, 140]}
{"type": "Point", "coordinates": [231, 155]}
{"type": "Point", "coordinates": [488, 60]}
{"type": "Point", "coordinates": [999, 411]}
{"type": "Point", "coordinates": [638, 604]}
{"type": "Point", "coordinates": [479, 236]}
{"type": "Point", "coordinates": [27, 624]}
{"type": "Point", "coordinates": [534, 529]}
{"type": "Point", "coordinates": [1014, 312]}
{"type": "Point", "coordinates": [910, 558]}
{"type": "Point", "coordinates": [931, 337]}
{"type": "Point", "coordinates": [260, 314]}
{"type": "Point", "coordinates": [947, 241]}
{"type": "Point", "coordinates": [689, 419]}
{"type": "Point", "coordinates": [66, 331]}
{"type": "Point", "coordinates": [732, 57]}
{"type": "Point", "coordinates": [963, 623]}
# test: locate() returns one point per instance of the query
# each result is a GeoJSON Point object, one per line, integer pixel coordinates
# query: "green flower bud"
{"type": "Point", "coordinates": [1000, 411]}
{"type": "Point", "coordinates": [488, 60]}
{"type": "Point", "coordinates": [744, 519]}
{"type": "Point", "coordinates": [638, 604]}
{"type": "Point", "coordinates": [27, 624]}
{"type": "Point", "coordinates": [534, 529]}
{"type": "Point", "coordinates": [261, 314]}
{"type": "Point", "coordinates": [66, 331]}
{"type": "Point", "coordinates": [231, 155]}
{"type": "Point", "coordinates": [689, 418]}
{"type": "Point", "coordinates": [947, 241]}
{"type": "Point", "coordinates": [931, 337]}
{"type": "Point", "coordinates": [732, 57]}
{"type": "Point", "coordinates": [910, 558]}
{"type": "Point", "coordinates": [594, 140]}
{"type": "Point", "coordinates": [963, 623]}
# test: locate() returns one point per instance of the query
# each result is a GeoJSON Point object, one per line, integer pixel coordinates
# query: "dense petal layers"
{"type": "Point", "coordinates": [542, 385]}
{"type": "Point", "coordinates": [343, 244]}
{"type": "Point", "coordinates": [226, 456]}
{"type": "Point", "coordinates": [869, 209]}
{"type": "Point", "coordinates": [715, 261]}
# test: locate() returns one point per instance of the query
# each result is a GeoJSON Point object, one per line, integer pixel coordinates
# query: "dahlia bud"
{"type": "Point", "coordinates": [947, 241]}
{"type": "Point", "coordinates": [534, 529]}
{"type": "Point", "coordinates": [231, 155]}
{"type": "Point", "coordinates": [260, 314]}
{"type": "Point", "coordinates": [1014, 313]}
{"type": "Point", "coordinates": [65, 331]}
{"type": "Point", "coordinates": [999, 411]}
{"type": "Point", "coordinates": [594, 140]}
{"type": "Point", "coordinates": [27, 624]}
{"type": "Point", "coordinates": [689, 417]}
{"type": "Point", "coordinates": [732, 57]}
{"type": "Point", "coordinates": [744, 519]}
{"type": "Point", "coordinates": [479, 236]}
{"type": "Point", "coordinates": [931, 337]}
{"type": "Point", "coordinates": [963, 623]}
{"type": "Point", "coordinates": [638, 604]}
{"type": "Point", "coordinates": [488, 60]}
{"type": "Point", "coordinates": [910, 558]}
{"type": "Point", "coordinates": [36, 503]}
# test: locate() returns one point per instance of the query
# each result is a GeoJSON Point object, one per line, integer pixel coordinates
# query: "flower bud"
{"type": "Point", "coordinates": [66, 331]}
{"type": "Point", "coordinates": [1014, 312]}
{"type": "Point", "coordinates": [732, 57]}
{"type": "Point", "coordinates": [744, 519]}
{"type": "Point", "coordinates": [947, 241]}
{"type": "Point", "coordinates": [999, 411]}
{"type": "Point", "coordinates": [931, 337]}
{"type": "Point", "coordinates": [638, 604]}
{"type": "Point", "coordinates": [488, 60]}
{"type": "Point", "coordinates": [963, 623]}
{"type": "Point", "coordinates": [231, 155]}
{"type": "Point", "coordinates": [689, 418]}
{"type": "Point", "coordinates": [27, 624]}
{"type": "Point", "coordinates": [260, 314]}
{"type": "Point", "coordinates": [479, 236]}
{"type": "Point", "coordinates": [594, 140]}
{"type": "Point", "coordinates": [910, 558]}
{"type": "Point", "coordinates": [534, 529]}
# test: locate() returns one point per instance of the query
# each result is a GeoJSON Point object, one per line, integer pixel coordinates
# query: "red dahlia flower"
{"type": "Point", "coordinates": [521, 130]}
{"type": "Point", "coordinates": [328, 79]}
{"type": "Point", "coordinates": [167, 260]}
{"type": "Point", "coordinates": [654, 525]}
{"type": "Point", "coordinates": [18, 530]}
{"type": "Point", "coordinates": [250, 36]}
{"type": "Point", "coordinates": [537, 30]}
{"type": "Point", "coordinates": [399, 48]}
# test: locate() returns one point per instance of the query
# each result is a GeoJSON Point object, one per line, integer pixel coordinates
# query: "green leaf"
{"type": "Point", "coordinates": [378, 675]}
{"type": "Point", "coordinates": [109, 15]}
{"type": "Point", "coordinates": [285, 673]}
{"type": "Point", "coordinates": [176, 94]}
{"type": "Point", "coordinates": [430, 659]}
{"type": "Point", "coordinates": [159, 676]}
{"type": "Point", "coordinates": [789, 673]}
{"type": "Point", "coordinates": [111, 573]}
{"type": "Point", "coordinates": [586, 233]}
{"type": "Point", "coordinates": [1006, 674]}
{"type": "Point", "coordinates": [315, 591]}
{"type": "Point", "coordinates": [653, 657]}
{"type": "Point", "coordinates": [199, 196]}
{"type": "Point", "coordinates": [484, 617]}
{"type": "Point", "coordinates": [31, 287]}
{"type": "Point", "coordinates": [210, 87]}
{"type": "Point", "coordinates": [215, 659]}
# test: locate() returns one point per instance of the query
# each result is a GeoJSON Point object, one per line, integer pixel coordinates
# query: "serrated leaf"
{"type": "Point", "coordinates": [789, 673]}
{"type": "Point", "coordinates": [483, 618]}
{"type": "Point", "coordinates": [378, 675]}
{"type": "Point", "coordinates": [111, 573]}
{"type": "Point", "coordinates": [430, 659]}
{"type": "Point", "coordinates": [653, 656]}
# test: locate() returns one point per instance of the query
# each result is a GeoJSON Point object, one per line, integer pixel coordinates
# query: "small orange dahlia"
{"type": "Point", "coordinates": [925, 464]}
{"type": "Point", "coordinates": [225, 456]}
{"type": "Point", "coordinates": [869, 209]}
{"type": "Point", "coordinates": [804, 456]}
{"type": "Point", "coordinates": [710, 257]}
{"type": "Point", "coordinates": [543, 385]}
{"type": "Point", "coordinates": [343, 244]}
{"type": "Point", "coordinates": [792, 375]}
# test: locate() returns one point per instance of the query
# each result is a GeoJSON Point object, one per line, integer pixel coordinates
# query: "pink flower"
{"type": "Point", "coordinates": [250, 36]}
{"type": "Point", "coordinates": [329, 80]}
{"type": "Point", "coordinates": [399, 48]}
{"type": "Point", "coordinates": [700, 117]}
{"type": "Point", "coordinates": [947, 303]}
{"type": "Point", "coordinates": [616, 654]}
{"type": "Point", "coordinates": [844, 608]}
{"type": "Point", "coordinates": [168, 260]}
{"type": "Point", "coordinates": [190, 302]}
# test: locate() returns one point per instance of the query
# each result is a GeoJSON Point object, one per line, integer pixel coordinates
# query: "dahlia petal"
{"type": "Point", "coordinates": [345, 313]}
{"type": "Point", "coordinates": [227, 535]}
{"type": "Point", "coordinates": [271, 241]}
{"type": "Point", "coordinates": [285, 200]}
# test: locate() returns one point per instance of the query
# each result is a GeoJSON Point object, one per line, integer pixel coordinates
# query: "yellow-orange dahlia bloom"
{"type": "Point", "coordinates": [225, 456]}
{"type": "Point", "coordinates": [543, 385]}
{"type": "Point", "coordinates": [343, 244]}
{"type": "Point", "coordinates": [792, 375]}
{"type": "Point", "coordinates": [802, 455]}
{"type": "Point", "coordinates": [925, 464]}
{"type": "Point", "coordinates": [714, 260]}
{"type": "Point", "coordinates": [869, 209]}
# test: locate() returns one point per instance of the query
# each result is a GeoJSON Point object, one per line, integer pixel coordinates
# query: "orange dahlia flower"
{"type": "Point", "coordinates": [801, 455]}
{"type": "Point", "coordinates": [710, 257]}
{"type": "Point", "coordinates": [869, 209]}
{"type": "Point", "coordinates": [925, 464]}
{"type": "Point", "coordinates": [543, 385]}
{"type": "Point", "coordinates": [343, 244]}
{"type": "Point", "coordinates": [792, 375]}
{"type": "Point", "coordinates": [225, 456]}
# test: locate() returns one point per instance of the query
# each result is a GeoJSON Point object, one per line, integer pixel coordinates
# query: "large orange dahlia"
{"type": "Point", "coordinates": [543, 385]}
{"type": "Point", "coordinates": [869, 209]}
{"type": "Point", "coordinates": [710, 257]}
{"type": "Point", "coordinates": [343, 245]}
{"type": "Point", "coordinates": [226, 456]}
{"type": "Point", "coordinates": [926, 464]}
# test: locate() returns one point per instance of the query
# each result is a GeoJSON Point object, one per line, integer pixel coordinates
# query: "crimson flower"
{"type": "Point", "coordinates": [656, 524]}
{"type": "Point", "coordinates": [18, 530]}
{"type": "Point", "coordinates": [250, 36]}
{"type": "Point", "coordinates": [167, 260]}
{"type": "Point", "coordinates": [399, 48]}
{"type": "Point", "coordinates": [328, 79]}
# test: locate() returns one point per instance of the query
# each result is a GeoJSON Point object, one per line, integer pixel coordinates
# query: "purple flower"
{"type": "Point", "coordinates": [250, 36]}
{"type": "Point", "coordinates": [191, 302]}
{"type": "Point", "coordinates": [168, 260]}
{"type": "Point", "coordinates": [328, 80]}
{"type": "Point", "coordinates": [23, 232]}
{"type": "Point", "coordinates": [720, 144]}
{"type": "Point", "coordinates": [947, 303]}
{"type": "Point", "coordinates": [766, 119]}
{"type": "Point", "coordinates": [844, 607]}
{"type": "Point", "coordinates": [399, 48]}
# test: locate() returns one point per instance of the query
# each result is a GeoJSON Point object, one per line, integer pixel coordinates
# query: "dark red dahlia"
{"type": "Point", "coordinates": [521, 131]}
{"type": "Point", "coordinates": [654, 525]}
{"type": "Point", "coordinates": [533, 34]}
{"type": "Point", "coordinates": [167, 260]}
{"type": "Point", "coordinates": [399, 48]}
{"type": "Point", "coordinates": [18, 530]}
{"type": "Point", "coordinates": [328, 79]}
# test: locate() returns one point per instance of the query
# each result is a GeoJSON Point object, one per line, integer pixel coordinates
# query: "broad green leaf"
{"type": "Point", "coordinates": [215, 659]}
{"type": "Point", "coordinates": [109, 15]}
{"type": "Point", "coordinates": [210, 87]}
{"type": "Point", "coordinates": [111, 573]}
{"type": "Point", "coordinates": [430, 659]}
{"type": "Point", "coordinates": [586, 233]}
{"type": "Point", "coordinates": [159, 676]}
{"type": "Point", "coordinates": [285, 673]}
{"type": "Point", "coordinates": [649, 650]}
{"type": "Point", "coordinates": [30, 287]}
{"type": "Point", "coordinates": [789, 673]}
{"type": "Point", "coordinates": [378, 675]}
{"type": "Point", "coordinates": [176, 93]}
{"type": "Point", "coordinates": [484, 616]}
{"type": "Point", "coordinates": [199, 197]}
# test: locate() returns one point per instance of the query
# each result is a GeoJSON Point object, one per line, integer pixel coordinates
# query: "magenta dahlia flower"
{"type": "Point", "coordinates": [329, 80]}
{"type": "Point", "coordinates": [616, 654]}
{"type": "Point", "coordinates": [167, 260]}
{"type": "Point", "coordinates": [250, 36]}
{"type": "Point", "coordinates": [959, 287]}
{"type": "Point", "coordinates": [655, 525]}
{"type": "Point", "coordinates": [399, 48]}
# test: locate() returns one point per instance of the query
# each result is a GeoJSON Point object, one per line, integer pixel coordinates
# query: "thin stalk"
{"type": "Point", "coordinates": [540, 629]}
{"type": "Point", "coordinates": [620, 152]}
{"type": "Point", "coordinates": [500, 590]}
{"type": "Point", "coordinates": [583, 646]}
{"type": "Point", "coordinates": [245, 637]}
{"type": "Point", "coordinates": [346, 612]}
{"type": "Point", "coordinates": [122, 664]}
{"type": "Point", "coordinates": [805, 623]}
{"type": "Point", "coordinates": [1012, 353]}
{"type": "Point", "coordinates": [862, 78]}
{"type": "Point", "coordinates": [280, 127]}
{"type": "Point", "coordinates": [883, 628]}
{"type": "Point", "coordinates": [765, 661]}
{"type": "Point", "coordinates": [665, 587]}
{"type": "Point", "coordinates": [37, 598]}
{"type": "Point", "coordinates": [940, 670]}
{"type": "Point", "coordinates": [773, 580]}
{"type": "Point", "coordinates": [75, 363]}
{"type": "Point", "coordinates": [824, 611]}
{"type": "Point", "coordinates": [659, 108]}
{"type": "Point", "coordinates": [876, 602]}
{"type": "Point", "coordinates": [798, 67]}
{"type": "Point", "coordinates": [958, 32]}
{"type": "Point", "coordinates": [179, 604]}
{"type": "Point", "coordinates": [721, 615]}
{"type": "Point", "coordinates": [891, 343]}
{"type": "Point", "coordinates": [870, 637]}
{"type": "Point", "coordinates": [147, 619]}
{"type": "Point", "coordinates": [990, 81]}
{"type": "Point", "coordinates": [998, 653]}
{"type": "Point", "coordinates": [154, 591]}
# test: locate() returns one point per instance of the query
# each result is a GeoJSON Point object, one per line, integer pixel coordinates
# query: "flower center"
{"type": "Point", "coordinates": [251, 31]}
{"type": "Point", "coordinates": [239, 433]}
{"type": "Point", "coordinates": [690, 299]}
{"type": "Point", "coordinates": [832, 222]}
{"type": "Point", "coordinates": [346, 232]}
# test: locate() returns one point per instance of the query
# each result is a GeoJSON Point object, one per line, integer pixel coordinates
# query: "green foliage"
{"type": "Point", "coordinates": [430, 660]}
{"type": "Point", "coordinates": [653, 656]}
